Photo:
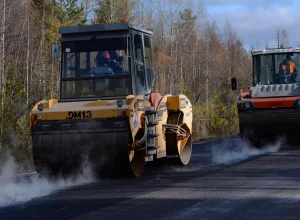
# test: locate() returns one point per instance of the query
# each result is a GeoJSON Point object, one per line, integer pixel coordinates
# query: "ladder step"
{"type": "Point", "coordinates": [153, 135]}
{"type": "Point", "coordinates": [152, 147]}
{"type": "Point", "coordinates": [151, 152]}
{"type": "Point", "coordinates": [151, 124]}
{"type": "Point", "coordinates": [150, 112]}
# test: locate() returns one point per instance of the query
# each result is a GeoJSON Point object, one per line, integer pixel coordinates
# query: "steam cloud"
{"type": "Point", "coordinates": [228, 152]}
{"type": "Point", "coordinates": [16, 189]}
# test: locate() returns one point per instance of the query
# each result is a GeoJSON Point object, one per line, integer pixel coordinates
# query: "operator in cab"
{"type": "Point", "coordinates": [288, 67]}
{"type": "Point", "coordinates": [108, 63]}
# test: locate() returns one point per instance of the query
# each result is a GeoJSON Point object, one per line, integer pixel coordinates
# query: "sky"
{"type": "Point", "coordinates": [255, 21]}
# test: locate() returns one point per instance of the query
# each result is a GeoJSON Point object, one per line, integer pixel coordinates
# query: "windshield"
{"type": "Point", "coordinates": [95, 68]}
{"type": "Point", "coordinates": [276, 68]}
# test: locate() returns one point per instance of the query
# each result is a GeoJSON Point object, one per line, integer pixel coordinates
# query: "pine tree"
{"type": "Point", "coordinates": [69, 12]}
{"type": "Point", "coordinates": [187, 20]}
{"type": "Point", "coordinates": [112, 11]}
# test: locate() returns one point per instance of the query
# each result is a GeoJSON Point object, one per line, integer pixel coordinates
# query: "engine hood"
{"type": "Point", "coordinates": [279, 90]}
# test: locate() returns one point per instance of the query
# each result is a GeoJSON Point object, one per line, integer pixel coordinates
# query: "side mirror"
{"type": "Point", "coordinates": [234, 84]}
{"type": "Point", "coordinates": [55, 50]}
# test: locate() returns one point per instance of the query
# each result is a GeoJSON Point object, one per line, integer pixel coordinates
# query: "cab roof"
{"type": "Point", "coordinates": [98, 31]}
{"type": "Point", "coordinates": [276, 51]}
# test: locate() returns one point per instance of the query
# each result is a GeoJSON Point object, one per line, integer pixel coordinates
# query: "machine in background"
{"type": "Point", "coordinates": [270, 109]}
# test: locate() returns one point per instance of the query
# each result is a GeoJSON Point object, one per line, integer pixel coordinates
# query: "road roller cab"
{"type": "Point", "coordinates": [105, 61]}
{"type": "Point", "coordinates": [270, 109]}
{"type": "Point", "coordinates": [107, 114]}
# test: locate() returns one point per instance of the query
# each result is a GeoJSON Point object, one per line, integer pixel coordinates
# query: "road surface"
{"type": "Point", "coordinates": [224, 180]}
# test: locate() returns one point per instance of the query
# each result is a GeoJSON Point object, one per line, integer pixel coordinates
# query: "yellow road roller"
{"type": "Point", "coordinates": [107, 115]}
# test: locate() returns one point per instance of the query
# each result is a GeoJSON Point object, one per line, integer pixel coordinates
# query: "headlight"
{"type": "Point", "coordinates": [245, 104]}
{"type": "Point", "coordinates": [120, 103]}
{"type": "Point", "coordinates": [40, 107]}
{"type": "Point", "coordinates": [297, 103]}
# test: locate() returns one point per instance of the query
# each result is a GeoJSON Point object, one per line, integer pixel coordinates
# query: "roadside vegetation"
{"type": "Point", "coordinates": [193, 55]}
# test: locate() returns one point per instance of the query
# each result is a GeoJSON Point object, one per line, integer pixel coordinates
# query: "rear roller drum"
{"type": "Point", "coordinates": [183, 156]}
{"type": "Point", "coordinates": [137, 161]}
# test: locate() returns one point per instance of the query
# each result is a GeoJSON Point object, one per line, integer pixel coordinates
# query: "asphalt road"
{"type": "Point", "coordinates": [224, 180]}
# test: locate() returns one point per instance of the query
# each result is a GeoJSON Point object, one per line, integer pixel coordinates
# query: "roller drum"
{"type": "Point", "coordinates": [261, 131]}
{"type": "Point", "coordinates": [63, 147]}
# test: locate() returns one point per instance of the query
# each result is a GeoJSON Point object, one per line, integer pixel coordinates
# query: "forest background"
{"type": "Point", "coordinates": [192, 55]}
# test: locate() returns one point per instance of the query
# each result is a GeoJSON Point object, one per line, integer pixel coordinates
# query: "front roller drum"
{"type": "Point", "coordinates": [265, 131]}
{"type": "Point", "coordinates": [107, 153]}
